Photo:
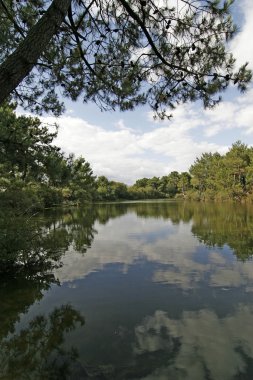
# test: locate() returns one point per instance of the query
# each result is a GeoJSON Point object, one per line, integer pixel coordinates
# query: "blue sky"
{"type": "Point", "coordinates": [130, 145]}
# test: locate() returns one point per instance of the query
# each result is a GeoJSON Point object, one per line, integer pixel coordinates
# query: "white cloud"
{"type": "Point", "coordinates": [241, 45]}
{"type": "Point", "coordinates": [120, 124]}
{"type": "Point", "coordinates": [125, 154]}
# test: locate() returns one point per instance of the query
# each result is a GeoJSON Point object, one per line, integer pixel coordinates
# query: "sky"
{"type": "Point", "coordinates": [125, 146]}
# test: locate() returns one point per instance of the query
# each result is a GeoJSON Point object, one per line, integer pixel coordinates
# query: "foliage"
{"type": "Point", "coordinates": [223, 177]}
{"type": "Point", "coordinates": [117, 53]}
{"type": "Point", "coordinates": [81, 181]}
{"type": "Point", "coordinates": [110, 190]}
{"type": "Point", "coordinates": [25, 145]}
{"type": "Point", "coordinates": [34, 172]}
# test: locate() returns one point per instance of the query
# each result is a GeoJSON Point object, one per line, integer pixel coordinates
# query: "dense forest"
{"type": "Point", "coordinates": [34, 173]}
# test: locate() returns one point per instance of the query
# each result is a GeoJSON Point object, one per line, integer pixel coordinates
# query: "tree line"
{"type": "Point", "coordinates": [36, 173]}
{"type": "Point", "coordinates": [212, 176]}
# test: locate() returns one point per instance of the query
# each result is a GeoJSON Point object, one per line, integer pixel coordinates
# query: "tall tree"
{"type": "Point", "coordinates": [24, 145]}
{"type": "Point", "coordinates": [82, 180]}
{"type": "Point", "coordinates": [116, 53]}
{"type": "Point", "coordinates": [184, 182]}
{"type": "Point", "coordinates": [200, 172]}
{"type": "Point", "coordinates": [172, 183]}
{"type": "Point", "coordinates": [237, 160]}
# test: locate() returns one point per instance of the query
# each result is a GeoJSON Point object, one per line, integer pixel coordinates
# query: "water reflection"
{"type": "Point", "coordinates": [36, 244]}
{"type": "Point", "coordinates": [32, 241]}
{"type": "Point", "coordinates": [17, 294]}
{"type": "Point", "coordinates": [175, 237]}
{"type": "Point", "coordinates": [166, 290]}
{"type": "Point", "coordinates": [199, 345]}
{"type": "Point", "coordinates": [37, 351]}
{"type": "Point", "coordinates": [231, 224]}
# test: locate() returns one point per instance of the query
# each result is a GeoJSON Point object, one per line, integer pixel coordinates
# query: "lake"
{"type": "Point", "coordinates": [141, 290]}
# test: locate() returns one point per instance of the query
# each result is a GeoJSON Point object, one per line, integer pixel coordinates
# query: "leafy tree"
{"type": "Point", "coordinates": [116, 53]}
{"type": "Point", "coordinates": [24, 145]}
{"type": "Point", "coordinates": [57, 169]}
{"type": "Point", "coordinates": [249, 172]}
{"type": "Point", "coordinates": [208, 174]}
{"type": "Point", "coordinates": [200, 172]}
{"type": "Point", "coordinates": [224, 177]}
{"type": "Point", "coordinates": [163, 184]}
{"type": "Point", "coordinates": [119, 189]}
{"type": "Point", "coordinates": [184, 182]}
{"type": "Point", "coordinates": [33, 170]}
{"type": "Point", "coordinates": [136, 192]}
{"type": "Point", "coordinates": [111, 190]}
{"type": "Point", "coordinates": [153, 182]}
{"type": "Point", "coordinates": [237, 161]}
{"type": "Point", "coordinates": [172, 183]}
{"type": "Point", "coordinates": [103, 188]}
{"type": "Point", "coordinates": [143, 182]}
{"type": "Point", "coordinates": [82, 180]}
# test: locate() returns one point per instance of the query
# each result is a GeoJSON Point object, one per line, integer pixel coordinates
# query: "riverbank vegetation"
{"type": "Point", "coordinates": [35, 173]}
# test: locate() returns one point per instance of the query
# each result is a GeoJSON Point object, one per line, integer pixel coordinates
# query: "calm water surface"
{"type": "Point", "coordinates": [153, 290]}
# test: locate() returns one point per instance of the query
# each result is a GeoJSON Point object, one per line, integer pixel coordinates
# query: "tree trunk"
{"type": "Point", "coordinates": [20, 63]}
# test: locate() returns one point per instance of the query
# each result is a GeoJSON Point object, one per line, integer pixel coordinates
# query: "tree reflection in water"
{"type": "Point", "coordinates": [35, 244]}
{"type": "Point", "coordinates": [215, 224]}
{"type": "Point", "coordinates": [30, 249]}
{"type": "Point", "coordinates": [37, 352]}
{"type": "Point", "coordinates": [158, 346]}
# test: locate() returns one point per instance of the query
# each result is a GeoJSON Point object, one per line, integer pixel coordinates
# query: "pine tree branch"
{"type": "Point", "coordinates": [21, 62]}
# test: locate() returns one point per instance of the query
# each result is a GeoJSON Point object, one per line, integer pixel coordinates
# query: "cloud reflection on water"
{"type": "Point", "coordinates": [173, 248]}
{"type": "Point", "coordinates": [210, 347]}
